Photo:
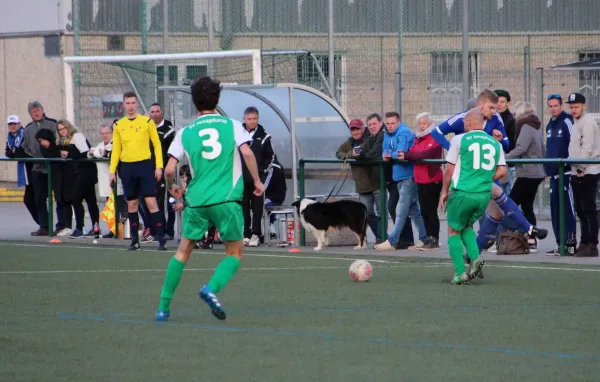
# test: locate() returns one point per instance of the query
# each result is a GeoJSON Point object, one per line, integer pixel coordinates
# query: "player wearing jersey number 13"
{"type": "Point", "coordinates": [212, 144]}
{"type": "Point", "coordinates": [474, 161]}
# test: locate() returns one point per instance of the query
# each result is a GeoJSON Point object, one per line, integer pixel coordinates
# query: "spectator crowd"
{"type": "Point", "coordinates": [413, 187]}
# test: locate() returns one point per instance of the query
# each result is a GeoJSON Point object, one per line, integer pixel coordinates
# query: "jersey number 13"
{"type": "Point", "coordinates": [489, 152]}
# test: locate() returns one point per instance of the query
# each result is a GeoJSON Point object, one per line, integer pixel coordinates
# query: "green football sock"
{"type": "Point", "coordinates": [455, 247]}
{"type": "Point", "coordinates": [172, 278]}
{"type": "Point", "coordinates": [224, 272]}
{"type": "Point", "coordinates": [469, 239]}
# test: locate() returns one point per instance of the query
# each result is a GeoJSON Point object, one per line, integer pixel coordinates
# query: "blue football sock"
{"type": "Point", "coordinates": [487, 232]}
{"type": "Point", "coordinates": [511, 210]}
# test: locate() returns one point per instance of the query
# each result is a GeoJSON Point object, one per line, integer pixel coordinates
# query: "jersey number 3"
{"type": "Point", "coordinates": [489, 152]}
{"type": "Point", "coordinates": [212, 142]}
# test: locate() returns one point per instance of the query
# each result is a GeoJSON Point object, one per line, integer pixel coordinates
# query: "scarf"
{"type": "Point", "coordinates": [15, 141]}
{"type": "Point", "coordinates": [64, 141]}
{"type": "Point", "coordinates": [530, 120]}
{"type": "Point", "coordinates": [421, 134]}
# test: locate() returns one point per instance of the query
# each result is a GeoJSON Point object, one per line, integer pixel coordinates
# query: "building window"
{"type": "Point", "coordinates": [446, 82]}
{"type": "Point", "coordinates": [194, 71]}
{"type": "Point", "coordinates": [307, 73]}
{"type": "Point", "coordinates": [52, 46]}
{"type": "Point", "coordinates": [115, 42]}
{"type": "Point", "coordinates": [589, 83]}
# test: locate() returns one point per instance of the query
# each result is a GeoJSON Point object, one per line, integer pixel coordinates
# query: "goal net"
{"type": "Point", "coordinates": [95, 84]}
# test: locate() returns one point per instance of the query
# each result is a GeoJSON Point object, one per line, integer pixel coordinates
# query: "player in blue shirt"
{"type": "Point", "coordinates": [502, 206]}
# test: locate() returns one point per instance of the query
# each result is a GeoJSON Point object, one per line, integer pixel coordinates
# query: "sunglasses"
{"type": "Point", "coordinates": [554, 96]}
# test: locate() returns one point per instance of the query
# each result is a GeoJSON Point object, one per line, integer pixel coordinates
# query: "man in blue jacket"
{"type": "Point", "coordinates": [558, 137]}
{"type": "Point", "coordinates": [399, 138]}
{"type": "Point", "coordinates": [502, 207]}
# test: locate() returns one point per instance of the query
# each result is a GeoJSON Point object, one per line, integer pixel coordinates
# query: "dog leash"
{"type": "Point", "coordinates": [347, 167]}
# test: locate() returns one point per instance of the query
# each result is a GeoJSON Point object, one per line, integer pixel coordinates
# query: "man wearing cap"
{"type": "Point", "coordinates": [366, 177]}
{"type": "Point", "coordinates": [39, 176]}
{"type": "Point", "coordinates": [585, 144]}
{"type": "Point", "coordinates": [558, 137]}
{"type": "Point", "coordinates": [14, 149]}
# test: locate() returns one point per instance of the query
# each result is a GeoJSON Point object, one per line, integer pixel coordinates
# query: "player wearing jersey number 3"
{"type": "Point", "coordinates": [212, 144]}
{"type": "Point", "coordinates": [475, 160]}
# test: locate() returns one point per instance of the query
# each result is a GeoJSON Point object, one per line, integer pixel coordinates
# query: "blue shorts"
{"type": "Point", "coordinates": [138, 179]}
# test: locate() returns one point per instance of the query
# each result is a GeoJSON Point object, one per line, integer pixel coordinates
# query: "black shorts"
{"type": "Point", "coordinates": [138, 179]}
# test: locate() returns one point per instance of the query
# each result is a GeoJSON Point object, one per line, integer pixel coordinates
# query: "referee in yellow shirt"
{"type": "Point", "coordinates": [131, 156]}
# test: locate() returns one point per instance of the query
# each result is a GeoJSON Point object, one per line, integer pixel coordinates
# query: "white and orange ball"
{"type": "Point", "coordinates": [361, 270]}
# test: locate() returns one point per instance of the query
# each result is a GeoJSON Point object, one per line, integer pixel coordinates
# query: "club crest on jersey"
{"type": "Point", "coordinates": [560, 133]}
{"type": "Point", "coordinates": [549, 134]}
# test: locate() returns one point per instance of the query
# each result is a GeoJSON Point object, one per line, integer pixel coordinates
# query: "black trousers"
{"type": "Point", "coordinates": [29, 201]}
{"type": "Point", "coordinates": [39, 182]}
{"type": "Point", "coordinates": [165, 209]}
{"type": "Point", "coordinates": [523, 194]}
{"type": "Point", "coordinates": [254, 204]}
{"type": "Point", "coordinates": [584, 194]}
{"type": "Point", "coordinates": [406, 236]}
{"type": "Point", "coordinates": [429, 197]}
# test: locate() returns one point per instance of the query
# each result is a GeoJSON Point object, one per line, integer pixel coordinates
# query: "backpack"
{"type": "Point", "coordinates": [512, 243]}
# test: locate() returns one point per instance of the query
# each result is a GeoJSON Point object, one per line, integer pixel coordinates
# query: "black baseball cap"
{"type": "Point", "coordinates": [576, 98]}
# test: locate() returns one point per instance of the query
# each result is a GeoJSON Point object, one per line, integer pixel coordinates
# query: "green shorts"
{"type": "Point", "coordinates": [465, 208]}
{"type": "Point", "coordinates": [227, 217]}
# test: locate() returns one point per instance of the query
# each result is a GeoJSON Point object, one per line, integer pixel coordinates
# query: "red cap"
{"type": "Point", "coordinates": [356, 123]}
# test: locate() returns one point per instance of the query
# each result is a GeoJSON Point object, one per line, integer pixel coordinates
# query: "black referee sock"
{"type": "Point", "coordinates": [134, 226]}
{"type": "Point", "coordinates": [157, 221]}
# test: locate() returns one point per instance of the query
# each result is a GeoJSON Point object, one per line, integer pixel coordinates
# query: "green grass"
{"type": "Point", "coordinates": [86, 313]}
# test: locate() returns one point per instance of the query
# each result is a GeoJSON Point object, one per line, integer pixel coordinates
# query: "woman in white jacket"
{"type": "Point", "coordinates": [103, 150]}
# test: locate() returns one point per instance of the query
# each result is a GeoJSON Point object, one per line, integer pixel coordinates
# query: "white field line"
{"type": "Point", "coordinates": [284, 256]}
{"type": "Point", "coordinates": [197, 269]}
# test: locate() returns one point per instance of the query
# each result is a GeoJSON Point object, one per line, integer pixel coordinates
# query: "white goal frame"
{"type": "Point", "coordinates": [70, 61]}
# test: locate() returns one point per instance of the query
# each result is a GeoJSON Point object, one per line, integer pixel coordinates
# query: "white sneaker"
{"type": "Point", "coordinates": [493, 248]}
{"type": "Point", "coordinates": [246, 241]}
{"type": "Point", "coordinates": [64, 232]}
{"type": "Point", "coordinates": [385, 246]}
{"type": "Point", "coordinates": [416, 247]}
{"type": "Point", "coordinates": [254, 241]}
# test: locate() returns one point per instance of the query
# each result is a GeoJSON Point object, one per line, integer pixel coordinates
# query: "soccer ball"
{"type": "Point", "coordinates": [361, 270]}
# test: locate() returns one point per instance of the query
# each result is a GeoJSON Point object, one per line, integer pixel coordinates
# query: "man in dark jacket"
{"type": "Point", "coordinates": [253, 205]}
{"type": "Point", "coordinates": [372, 150]}
{"type": "Point", "coordinates": [366, 177]}
{"type": "Point", "coordinates": [166, 133]}
{"type": "Point", "coordinates": [558, 137]}
{"type": "Point", "coordinates": [14, 149]}
{"type": "Point", "coordinates": [39, 176]}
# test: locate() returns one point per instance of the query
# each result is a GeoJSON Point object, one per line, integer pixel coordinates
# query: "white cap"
{"type": "Point", "coordinates": [13, 119]}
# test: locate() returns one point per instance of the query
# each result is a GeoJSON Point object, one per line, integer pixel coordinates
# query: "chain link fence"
{"type": "Point", "coordinates": [378, 47]}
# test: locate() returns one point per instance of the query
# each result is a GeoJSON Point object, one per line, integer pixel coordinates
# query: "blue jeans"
{"type": "Point", "coordinates": [372, 200]}
{"type": "Point", "coordinates": [408, 205]}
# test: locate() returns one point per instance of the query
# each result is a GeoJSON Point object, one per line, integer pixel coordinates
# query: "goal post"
{"type": "Point", "coordinates": [94, 85]}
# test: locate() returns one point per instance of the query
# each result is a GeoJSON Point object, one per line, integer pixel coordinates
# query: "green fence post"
{"type": "Point", "coordinates": [116, 204]}
{"type": "Point", "coordinates": [300, 196]}
{"type": "Point", "coordinates": [561, 207]}
{"type": "Point", "coordinates": [50, 204]}
{"type": "Point", "coordinates": [382, 203]}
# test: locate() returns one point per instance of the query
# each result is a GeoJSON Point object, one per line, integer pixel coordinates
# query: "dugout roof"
{"type": "Point", "coordinates": [579, 65]}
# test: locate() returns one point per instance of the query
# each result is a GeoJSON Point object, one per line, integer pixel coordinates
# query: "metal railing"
{"type": "Point", "coordinates": [382, 185]}
{"type": "Point", "coordinates": [50, 201]}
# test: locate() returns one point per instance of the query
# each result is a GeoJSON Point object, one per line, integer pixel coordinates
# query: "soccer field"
{"type": "Point", "coordinates": [86, 313]}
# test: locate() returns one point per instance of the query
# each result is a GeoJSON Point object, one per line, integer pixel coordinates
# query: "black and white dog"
{"type": "Point", "coordinates": [319, 218]}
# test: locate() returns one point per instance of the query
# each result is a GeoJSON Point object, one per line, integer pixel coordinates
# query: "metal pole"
{"type": "Point", "coordinates": [144, 26]}
{"type": "Point", "coordinates": [539, 84]}
{"type": "Point", "coordinates": [398, 90]}
{"type": "Point", "coordinates": [381, 77]}
{"type": "Point", "coordinates": [211, 35]}
{"type": "Point", "coordinates": [382, 204]}
{"type": "Point", "coordinates": [294, 157]}
{"type": "Point", "coordinates": [331, 53]}
{"type": "Point", "coordinates": [50, 204]}
{"type": "Point", "coordinates": [300, 196]}
{"type": "Point", "coordinates": [561, 208]}
{"type": "Point", "coordinates": [465, 52]}
{"type": "Point", "coordinates": [526, 74]}
{"type": "Point", "coordinates": [76, 67]}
